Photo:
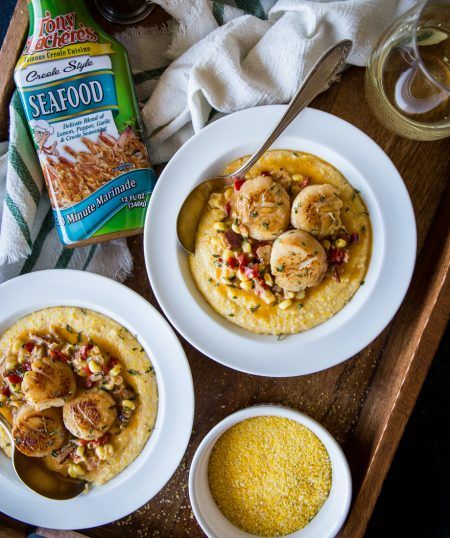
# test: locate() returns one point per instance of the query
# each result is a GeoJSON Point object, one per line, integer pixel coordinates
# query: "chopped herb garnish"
{"type": "Point", "coordinates": [300, 306]}
{"type": "Point", "coordinates": [69, 329]}
{"type": "Point", "coordinates": [362, 282]}
{"type": "Point", "coordinates": [265, 225]}
{"type": "Point", "coordinates": [133, 372]}
{"type": "Point", "coordinates": [231, 315]}
{"type": "Point", "coordinates": [280, 268]}
{"type": "Point", "coordinates": [254, 308]}
{"type": "Point", "coordinates": [83, 310]}
{"type": "Point", "coordinates": [149, 370]}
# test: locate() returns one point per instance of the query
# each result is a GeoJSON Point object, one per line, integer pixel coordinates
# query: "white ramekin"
{"type": "Point", "coordinates": [325, 524]}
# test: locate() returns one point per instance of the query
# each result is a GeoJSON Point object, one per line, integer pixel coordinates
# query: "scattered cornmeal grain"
{"type": "Point", "coordinates": [269, 476]}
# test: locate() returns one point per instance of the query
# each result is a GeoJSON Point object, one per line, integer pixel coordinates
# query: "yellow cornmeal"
{"type": "Point", "coordinates": [269, 476]}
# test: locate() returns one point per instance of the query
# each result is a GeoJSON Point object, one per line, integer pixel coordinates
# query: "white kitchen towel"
{"type": "Point", "coordinates": [225, 60]}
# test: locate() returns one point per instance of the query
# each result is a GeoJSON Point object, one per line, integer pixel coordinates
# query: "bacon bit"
{"type": "Point", "coordinates": [238, 184]}
{"type": "Point", "coordinates": [232, 262]}
{"type": "Point", "coordinates": [228, 209]}
{"type": "Point", "coordinates": [14, 379]}
{"type": "Point", "coordinates": [5, 391]}
{"type": "Point", "coordinates": [335, 273]}
{"type": "Point", "coordinates": [88, 383]}
{"type": "Point", "coordinates": [85, 350]}
{"type": "Point", "coordinates": [56, 354]}
{"type": "Point", "coordinates": [243, 260]}
{"type": "Point", "coordinates": [252, 272]}
{"type": "Point", "coordinates": [305, 182]}
{"type": "Point", "coordinates": [101, 440]}
{"type": "Point", "coordinates": [26, 366]}
{"type": "Point", "coordinates": [29, 346]}
{"type": "Point", "coordinates": [86, 369]}
{"type": "Point", "coordinates": [112, 362]}
{"type": "Point", "coordinates": [354, 238]}
{"type": "Point", "coordinates": [336, 255]}
{"type": "Point", "coordinates": [81, 442]}
{"type": "Point", "coordinates": [266, 173]}
{"type": "Point", "coordinates": [232, 239]}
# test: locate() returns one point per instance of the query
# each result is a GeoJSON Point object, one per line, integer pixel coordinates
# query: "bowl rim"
{"type": "Point", "coordinates": [340, 469]}
{"type": "Point", "coordinates": [66, 287]}
{"type": "Point", "coordinates": [347, 332]}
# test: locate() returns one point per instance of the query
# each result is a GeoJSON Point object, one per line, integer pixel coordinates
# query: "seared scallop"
{"type": "Point", "coordinates": [90, 415]}
{"type": "Point", "coordinates": [297, 261]}
{"type": "Point", "coordinates": [49, 383]}
{"type": "Point", "coordinates": [37, 433]}
{"type": "Point", "coordinates": [263, 206]}
{"type": "Point", "coordinates": [316, 209]}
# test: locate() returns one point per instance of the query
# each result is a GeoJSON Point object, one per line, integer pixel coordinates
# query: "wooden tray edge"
{"type": "Point", "coordinates": [9, 54]}
{"type": "Point", "coordinates": [421, 343]}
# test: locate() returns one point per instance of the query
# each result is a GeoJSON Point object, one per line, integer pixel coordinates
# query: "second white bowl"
{"type": "Point", "coordinates": [327, 521]}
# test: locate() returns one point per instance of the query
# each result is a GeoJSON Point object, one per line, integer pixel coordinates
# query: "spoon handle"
{"type": "Point", "coordinates": [323, 73]}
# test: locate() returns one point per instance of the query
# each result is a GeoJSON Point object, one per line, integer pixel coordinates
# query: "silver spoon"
{"type": "Point", "coordinates": [34, 474]}
{"type": "Point", "coordinates": [320, 77]}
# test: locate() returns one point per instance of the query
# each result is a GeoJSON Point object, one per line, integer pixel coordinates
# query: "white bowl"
{"type": "Point", "coordinates": [325, 524]}
{"type": "Point", "coordinates": [148, 473]}
{"type": "Point", "coordinates": [366, 167]}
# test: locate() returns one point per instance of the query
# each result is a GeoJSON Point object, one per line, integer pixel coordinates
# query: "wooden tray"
{"type": "Point", "coordinates": [364, 402]}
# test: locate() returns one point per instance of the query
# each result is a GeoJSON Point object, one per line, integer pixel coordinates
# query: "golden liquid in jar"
{"type": "Point", "coordinates": [410, 98]}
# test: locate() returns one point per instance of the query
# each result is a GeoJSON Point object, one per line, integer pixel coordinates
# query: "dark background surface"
{"type": "Point", "coordinates": [415, 499]}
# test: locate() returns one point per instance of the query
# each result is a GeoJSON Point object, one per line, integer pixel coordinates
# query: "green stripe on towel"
{"type": "Point", "coordinates": [17, 214]}
{"type": "Point", "coordinates": [64, 258]}
{"type": "Point", "coordinates": [217, 10]}
{"type": "Point", "coordinates": [143, 76]}
{"type": "Point", "coordinates": [24, 174]}
{"type": "Point", "coordinates": [18, 107]}
{"type": "Point", "coordinates": [253, 7]}
{"type": "Point", "coordinates": [89, 257]}
{"type": "Point", "coordinates": [46, 227]}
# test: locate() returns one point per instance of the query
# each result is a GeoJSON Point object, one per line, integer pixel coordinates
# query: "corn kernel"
{"type": "Point", "coordinates": [94, 367]}
{"type": "Point", "coordinates": [341, 243]}
{"type": "Point", "coordinates": [227, 253]}
{"type": "Point", "coordinates": [18, 343]}
{"type": "Point", "coordinates": [268, 279]}
{"type": "Point", "coordinates": [109, 450]}
{"type": "Point", "coordinates": [268, 297]}
{"type": "Point", "coordinates": [242, 276]}
{"type": "Point", "coordinates": [246, 285]}
{"type": "Point", "coordinates": [75, 470]}
{"type": "Point", "coordinates": [3, 398]}
{"type": "Point", "coordinates": [10, 363]}
{"type": "Point", "coordinates": [129, 404]}
{"type": "Point", "coordinates": [80, 451]}
{"type": "Point", "coordinates": [228, 193]}
{"type": "Point", "coordinates": [118, 380]}
{"type": "Point", "coordinates": [326, 244]}
{"type": "Point", "coordinates": [235, 227]}
{"type": "Point", "coordinates": [285, 304]}
{"type": "Point", "coordinates": [100, 452]}
{"type": "Point", "coordinates": [21, 359]}
{"type": "Point", "coordinates": [298, 177]}
{"type": "Point", "coordinates": [109, 385]}
{"type": "Point", "coordinates": [246, 247]}
{"type": "Point", "coordinates": [300, 295]}
{"type": "Point", "coordinates": [115, 370]}
{"type": "Point", "coordinates": [219, 226]}
{"type": "Point", "coordinates": [289, 295]}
